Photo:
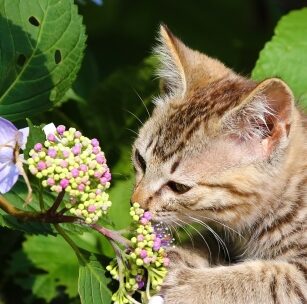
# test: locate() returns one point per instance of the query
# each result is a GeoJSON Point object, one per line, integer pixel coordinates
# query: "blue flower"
{"type": "Point", "coordinates": [11, 141]}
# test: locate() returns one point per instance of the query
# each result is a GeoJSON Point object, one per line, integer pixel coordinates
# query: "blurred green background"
{"type": "Point", "coordinates": [117, 81]}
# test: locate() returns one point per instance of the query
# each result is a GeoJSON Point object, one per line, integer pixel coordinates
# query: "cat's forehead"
{"type": "Point", "coordinates": [179, 126]}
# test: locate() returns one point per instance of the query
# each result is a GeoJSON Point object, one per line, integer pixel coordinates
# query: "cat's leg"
{"type": "Point", "coordinates": [189, 257]}
{"type": "Point", "coordinates": [251, 282]}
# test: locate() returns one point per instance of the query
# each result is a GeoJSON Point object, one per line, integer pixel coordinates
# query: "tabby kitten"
{"type": "Point", "coordinates": [220, 148]}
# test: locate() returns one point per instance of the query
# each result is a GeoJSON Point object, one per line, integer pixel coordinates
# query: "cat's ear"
{"type": "Point", "coordinates": [182, 68]}
{"type": "Point", "coordinates": [266, 113]}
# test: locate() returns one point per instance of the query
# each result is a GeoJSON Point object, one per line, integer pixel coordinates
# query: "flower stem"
{"type": "Point", "coordinates": [61, 231]}
{"type": "Point", "coordinates": [111, 234]}
{"type": "Point", "coordinates": [52, 210]}
{"type": "Point", "coordinates": [18, 213]}
{"type": "Point", "coordinates": [48, 218]}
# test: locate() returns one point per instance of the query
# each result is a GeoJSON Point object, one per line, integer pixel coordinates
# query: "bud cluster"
{"type": "Point", "coordinates": [145, 262]}
{"type": "Point", "coordinates": [68, 161]}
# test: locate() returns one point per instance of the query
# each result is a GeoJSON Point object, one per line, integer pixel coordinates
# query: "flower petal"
{"type": "Point", "coordinates": [8, 176]}
{"type": "Point", "coordinates": [7, 131]}
{"type": "Point", "coordinates": [23, 137]}
{"type": "Point", "coordinates": [49, 129]}
{"type": "Point", "coordinates": [6, 154]}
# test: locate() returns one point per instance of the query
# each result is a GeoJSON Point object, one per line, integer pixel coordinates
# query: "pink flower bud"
{"type": "Point", "coordinates": [96, 150]}
{"type": "Point", "coordinates": [81, 187]}
{"type": "Point", "coordinates": [41, 165]}
{"type": "Point", "coordinates": [140, 238]}
{"type": "Point", "coordinates": [64, 164]}
{"type": "Point", "coordinates": [147, 260]}
{"type": "Point", "coordinates": [147, 215]}
{"type": "Point", "coordinates": [95, 142]}
{"type": "Point", "coordinates": [64, 183]}
{"type": "Point", "coordinates": [38, 147]}
{"type": "Point", "coordinates": [50, 181]}
{"type": "Point", "coordinates": [75, 172]}
{"type": "Point", "coordinates": [52, 153]}
{"type": "Point", "coordinates": [97, 174]}
{"type": "Point", "coordinates": [103, 181]}
{"type": "Point", "coordinates": [143, 254]}
{"type": "Point", "coordinates": [83, 168]}
{"type": "Point", "coordinates": [100, 158]}
{"type": "Point", "coordinates": [61, 129]}
{"type": "Point", "coordinates": [91, 208]}
{"type": "Point", "coordinates": [51, 137]}
{"type": "Point", "coordinates": [107, 176]}
{"type": "Point", "coordinates": [65, 153]}
{"type": "Point", "coordinates": [144, 221]}
{"type": "Point", "coordinates": [78, 134]}
{"type": "Point", "coordinates": [76, 150]}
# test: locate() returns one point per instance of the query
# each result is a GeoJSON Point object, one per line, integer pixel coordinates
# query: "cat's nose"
{"type": "Point", "coordinates": [140, 196]}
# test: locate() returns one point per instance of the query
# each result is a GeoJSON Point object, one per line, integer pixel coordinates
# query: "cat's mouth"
{"type": "Point", "coordinates": [166, 217]}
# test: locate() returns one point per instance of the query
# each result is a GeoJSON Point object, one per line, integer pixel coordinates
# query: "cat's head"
{"type": "Point", "coordinates": [214, 142]}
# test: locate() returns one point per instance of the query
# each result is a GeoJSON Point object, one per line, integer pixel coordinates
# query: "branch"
{"type": "Point", "coordinates": [50, 218]}
{"type": "Point", "coordinates": [56, 204]}
{"type": "Point", "coordinates": [111, 234]}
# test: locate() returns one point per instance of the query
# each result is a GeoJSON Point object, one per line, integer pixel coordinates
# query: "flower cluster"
{"type": "Point", "coordinates": [144, 263]}
{"type": "Point", "coordinates": [72, 163]}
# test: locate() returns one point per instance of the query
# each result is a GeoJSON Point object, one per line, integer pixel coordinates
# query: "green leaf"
{"type": "Point", "coordinates": [41, 47]}
{"type": "Point", "coordinates": [36, 135]}
{"type": "Point", "coordinates": [58, 260]}
{"type": "Point", "coordinates": [93, 282]}
{"type": "Point", "coordinates": [285, 56]}
{"type": "Point", "coordinates": [17, 198]}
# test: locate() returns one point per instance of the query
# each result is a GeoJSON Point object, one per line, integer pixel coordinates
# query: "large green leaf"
{"type": "Point", "coordinates": [285, 56]}
{"type": "Point", "coordinates": [58, 260]}
{"type": "Point", "coordinates": [93, 282]}
{"type": "Point", "coordinates": [41, 48]}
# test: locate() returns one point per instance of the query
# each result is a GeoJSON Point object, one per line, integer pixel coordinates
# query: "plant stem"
{"type": "Point", "coordinates": [40, 197]}
{"type": "Point", "coordinates": [72, 244]}
{"type": "Point", "coordinates": [111, 234]}
{"type": "Point", "coordinates": [50, 218]}
{"type": "Point", "coordinates": [56, 204]}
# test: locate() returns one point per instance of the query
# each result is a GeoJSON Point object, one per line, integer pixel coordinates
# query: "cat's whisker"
{"type": "Point", "coordinates": [176, 231]}
{"type": "Point", "coordinates": [185, 223]}
{"type": "Point", "coordinates": [136, 117]}
{"type": "Point", "coordinates": [224, 225]}
{"type": "Point", "coordinates": [216, 236]}
{"type": "Point", "coordinates": [169, 226]}
{"type": "Point", "coordinates": [134, 132]}
{"type": "Point", "coordinates": [144, 104]}
{"type": "Point", "coordinates": [187, 233]}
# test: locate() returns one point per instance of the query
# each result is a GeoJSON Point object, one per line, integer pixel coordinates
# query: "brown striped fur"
{"type": "Point", "coordinates": [228, 152]}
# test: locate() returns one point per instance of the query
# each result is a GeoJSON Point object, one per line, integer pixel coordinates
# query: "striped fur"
{"type": "Point", "coordinates": [225, 151]}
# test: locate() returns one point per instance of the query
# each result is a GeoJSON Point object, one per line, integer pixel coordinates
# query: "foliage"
{"type": "Point", "coordinates": [284, 56]}
{"type": "Point", "coordinates": [41, 50]}
{"type": "Point", "coordinates": [38, 63]}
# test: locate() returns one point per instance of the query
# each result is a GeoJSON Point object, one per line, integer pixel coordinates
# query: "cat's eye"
{"type": "Point", "coordinates": [178, 188]}
{"type": "Point", "coordinates": [140, 160]}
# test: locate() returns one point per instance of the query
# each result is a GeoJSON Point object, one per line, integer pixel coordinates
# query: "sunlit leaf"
{"type": "Point", "coordinates": [285, 56]}
{"type": "Point", "coordinates": [41, 47]}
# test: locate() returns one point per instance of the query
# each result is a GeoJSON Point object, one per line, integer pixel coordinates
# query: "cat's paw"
{"type": "Point", "coordinates": [178, 286]}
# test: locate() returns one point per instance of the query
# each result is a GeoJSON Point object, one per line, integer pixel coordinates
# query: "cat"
{"type": "Point", "coordinates": [224, 150]}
